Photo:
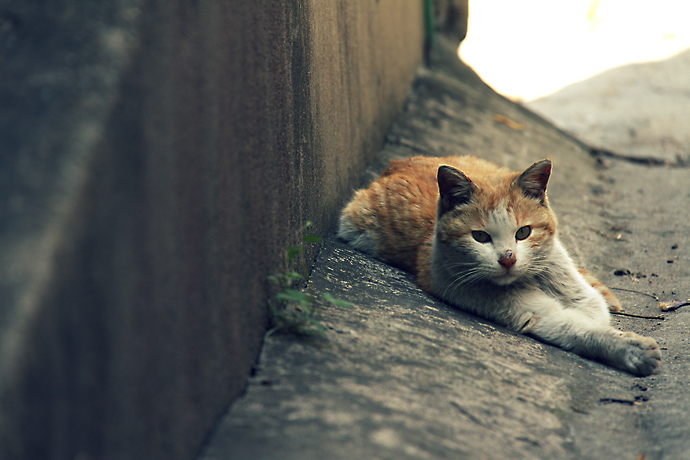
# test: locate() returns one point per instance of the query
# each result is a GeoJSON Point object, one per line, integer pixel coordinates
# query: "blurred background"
{"type": "Point", "coordinates": [532, 48]}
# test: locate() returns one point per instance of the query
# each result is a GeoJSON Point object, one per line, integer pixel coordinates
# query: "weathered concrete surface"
{"type": "Point", "coordinates": [401, 375]}
{"type": "Point", "coordinates": [639, 110]}
{"type": "Point", "coordinates": [156, 156]}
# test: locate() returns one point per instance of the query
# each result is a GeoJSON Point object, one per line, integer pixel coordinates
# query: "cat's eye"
{"type": "Point", "coordinates": [523, 232]}
{"type": "Point", "coordinates": [481, 237]}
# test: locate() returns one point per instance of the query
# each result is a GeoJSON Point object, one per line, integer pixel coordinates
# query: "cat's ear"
{"type": "Point", "coordinates": [533, 180]}
{"type": "Point", "coordinates": [455, 188]}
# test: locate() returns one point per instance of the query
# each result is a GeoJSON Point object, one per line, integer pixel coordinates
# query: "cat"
{"type": "Point", "coordinates": [484, 239]}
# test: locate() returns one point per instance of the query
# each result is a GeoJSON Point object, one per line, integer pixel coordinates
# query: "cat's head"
{"type": "Point", "coordinates": [496, 228]}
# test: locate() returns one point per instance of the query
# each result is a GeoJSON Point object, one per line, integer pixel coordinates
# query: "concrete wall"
{"type": "Point", "coordinates": [156, 156]}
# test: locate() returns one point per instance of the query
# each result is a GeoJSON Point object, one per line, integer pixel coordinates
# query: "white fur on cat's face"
{"type": "Point", "coordinates": [501, 227]}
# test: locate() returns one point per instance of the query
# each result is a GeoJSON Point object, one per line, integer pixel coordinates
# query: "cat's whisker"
{"type": "Point", "coordinates": [468, 277]}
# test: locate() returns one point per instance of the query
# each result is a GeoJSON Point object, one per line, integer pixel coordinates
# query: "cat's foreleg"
{"type": "Point", "coordinates": [611, 300]}
{"type": "Point", "coordinates": [572, 330]}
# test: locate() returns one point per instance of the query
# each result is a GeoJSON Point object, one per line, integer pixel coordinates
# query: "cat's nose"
{"type": "Point", "coordinates": [507, 259]}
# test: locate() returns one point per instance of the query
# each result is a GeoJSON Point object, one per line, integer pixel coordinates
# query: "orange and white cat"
{"type": "Point", "coordinates": [484, 239]}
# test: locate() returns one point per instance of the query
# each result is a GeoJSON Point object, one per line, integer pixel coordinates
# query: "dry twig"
{"type": "Point", "coordinates": [636, 292]}
{"type": "Point", "coordinates": [632, 315]}
{"type": "Point", "coordinates": [663, 306]}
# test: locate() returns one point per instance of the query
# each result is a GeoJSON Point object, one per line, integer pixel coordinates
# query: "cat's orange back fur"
{"type": "Point", "coordinates": [402, 205]}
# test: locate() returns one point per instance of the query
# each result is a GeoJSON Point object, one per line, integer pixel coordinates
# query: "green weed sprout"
{"type": "Point", "coordinates": [292, 308]}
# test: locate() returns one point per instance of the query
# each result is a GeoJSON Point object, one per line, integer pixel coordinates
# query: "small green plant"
{"type": "Point", "coordinates": [294, 309]}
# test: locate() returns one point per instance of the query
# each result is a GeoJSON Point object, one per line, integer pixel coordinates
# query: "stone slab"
{"type": "Point", "coordinates": [639, 110]}
{"type": "Point", "coordinates": [155, 159]}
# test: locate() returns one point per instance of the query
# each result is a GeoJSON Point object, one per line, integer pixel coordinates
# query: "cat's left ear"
{"type": "Point", "coordinates": [533, 180]}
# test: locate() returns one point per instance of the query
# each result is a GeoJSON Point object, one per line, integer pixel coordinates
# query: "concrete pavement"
{"type": "Point", "coordinates": [403, 376]}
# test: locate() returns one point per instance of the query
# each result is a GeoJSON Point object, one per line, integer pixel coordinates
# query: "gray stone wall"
{"type": "Point", "coordinates": [156, 158]}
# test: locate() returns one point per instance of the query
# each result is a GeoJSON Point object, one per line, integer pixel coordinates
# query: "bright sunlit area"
{"type": "Point", "coordinates": [532, 48]}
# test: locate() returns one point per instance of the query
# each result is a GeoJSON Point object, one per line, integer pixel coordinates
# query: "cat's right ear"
{"type": "Point", "coordinates": [455, 188]}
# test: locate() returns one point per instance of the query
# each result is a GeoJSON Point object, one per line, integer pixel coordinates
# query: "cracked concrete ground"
{"type": "Point", "coordinates": [403, 376]}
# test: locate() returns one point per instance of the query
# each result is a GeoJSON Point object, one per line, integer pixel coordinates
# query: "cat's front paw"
{"type": "Point", "coordinates": [642, 355]}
